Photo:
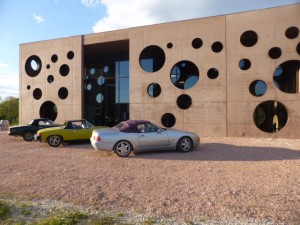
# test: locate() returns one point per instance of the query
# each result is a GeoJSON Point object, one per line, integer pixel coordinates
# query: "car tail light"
{"type": "Point", "coordinates": [97, 138]}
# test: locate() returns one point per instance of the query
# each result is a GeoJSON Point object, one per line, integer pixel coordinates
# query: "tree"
{"type": "Point", "coordinates": [9, 110]}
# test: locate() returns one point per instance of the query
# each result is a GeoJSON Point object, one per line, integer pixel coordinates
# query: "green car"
{"type": "Point", "coordinates": [70, 131]}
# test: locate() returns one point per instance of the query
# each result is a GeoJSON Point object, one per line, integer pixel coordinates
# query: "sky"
{"type": "Point", "coordinates": [24, 21]}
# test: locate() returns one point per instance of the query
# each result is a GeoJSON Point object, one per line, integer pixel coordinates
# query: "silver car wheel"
{"type": "Point", "coordinates": [54, 140]}
{"type": "Point", "coordinates": [123, 148]}
{"type": "Point", "coordinates": [184, 144]}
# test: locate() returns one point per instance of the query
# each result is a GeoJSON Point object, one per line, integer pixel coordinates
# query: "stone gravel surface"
{"type": "Point", "coordinates": [223, 179]}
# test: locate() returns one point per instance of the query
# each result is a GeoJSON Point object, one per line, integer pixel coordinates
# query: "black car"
{"type": "Point", "coordinates": [28, 131]}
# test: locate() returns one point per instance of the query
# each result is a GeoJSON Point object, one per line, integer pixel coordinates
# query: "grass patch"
{"type": "Point", "coordinates": [4, 209]}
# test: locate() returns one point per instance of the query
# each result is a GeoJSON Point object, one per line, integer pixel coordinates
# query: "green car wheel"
{"type": "Point", "coordinates": [54, 140]}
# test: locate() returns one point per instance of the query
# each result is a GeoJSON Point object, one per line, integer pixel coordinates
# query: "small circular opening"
{"type": "Point", "coordinates": [63, 93]}
{"type": "Point", "coordinates": [64, 70]}
{"type": "Point", "coordinates": [248, 38]}
{"type": "Point", "coordinates": [54, 58]}
{"type": "Point", "coordinates": [212, 73]}
{"type": "Point", "coordinates": [37, 93]}
{"type": "Point", "coordinates": [292, 32]}
{"type": "Point", "coordinates": [197, 43]}
{"type": "Point", "coordinates": [217, 47]}
{"type": "Point", "coordinates": [275, 53]}
{"type": "Point", "coordinates": [244, 64]}
{"type": "Point", "coordinates": [50, 79]}
{"type": "Point", "coordinates": [184, 101]}
{"type": "Point", "coordinates": [70, 55]}
{"type": "Point", "coordinates": [168, 120]}
{"type": "Point", "coordinates": [154, 90]}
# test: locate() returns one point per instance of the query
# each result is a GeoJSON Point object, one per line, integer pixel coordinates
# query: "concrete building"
{"type": "Point", "coordinates": [229, 75]}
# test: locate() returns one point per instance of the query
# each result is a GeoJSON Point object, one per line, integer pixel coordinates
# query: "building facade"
{"type": "Point", "coordinates": [229, 75]}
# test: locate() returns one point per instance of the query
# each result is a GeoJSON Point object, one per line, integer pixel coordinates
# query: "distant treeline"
{"type": "Point", "coordinates": [9, 110]}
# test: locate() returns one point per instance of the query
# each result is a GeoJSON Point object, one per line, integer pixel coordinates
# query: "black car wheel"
{"type": "Point", "coordinates": [54, 140]}
{"type": "Point", "coordinates": [123, 148]}
{"type": "Point", "coordinates": [184, 144]}
{"type": "Point", "coordinates": [28, 135]}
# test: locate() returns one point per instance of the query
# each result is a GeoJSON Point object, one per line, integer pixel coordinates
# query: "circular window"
{"type": "Point", "coordinates": [212, 73]}
{"type": "Point", "coordinates": [285, 76]}
{"type": "Point", "coordinates": [101, 80]}
{"type": "Point", "coordinates": [152, 58]}
{"type": "Point", "coordinates": [33, 66]}
{"type": "Point", "coordinates": [105, 69]}
{"type": "Point", "coordinates": [292, 32]}
{"type": "Point", "coordinates": [275, 53]}
{"type": "Point", "coordinates": [89, 87]}
{"type": "Point", "coordinates": [37, 93]}
{"type": "Point", "coordinates": [184, 101]}
{"type": "Point", "coordinates": [99, 98]}
{"type": "Point", "coordinates": [28, 87]}
{"type": "Point", "coordinates": [168, 120]}
{"type": "Point", "coordinates": [248, 38]}
{"type": "Point", "coordinates": [70, 55]}
{"type": "Point", "coordinates": [217, 47]}
{"type": "Point", "coordinates": [48, 110]}
{"type": "Point", "coordinates": [298, 48]}
{"type": "Point", "coordinates": [54, 58]}
{"type": "Point", "coordinates": [270, 116]}
{"type": "Point", "coordinates": [258, 88]}
{"type": "Point", "coordinates": [92, 71]}
{"type": "Point", "coordinates": [184, 74]}
{"type": "Point", "coordinates": [154, 90]}
{"type": "Point", "coordinates": [244, 64]}
{"type": "Point", "coordinates": [50, 79]}
{"type": "Point", "coordinates": [64, 70]}
{"type": "Point", "coordinates": [48, 66]}
{"type": "Point", "coordinates": [170, 45]}
{"type": "Point", "coordinates": [197, 43]}
{"type": "Point", "coordinates": [63, 93]}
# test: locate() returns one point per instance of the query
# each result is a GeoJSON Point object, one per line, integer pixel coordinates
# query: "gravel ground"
{"type": "Point", "coordinates": [223, 179]}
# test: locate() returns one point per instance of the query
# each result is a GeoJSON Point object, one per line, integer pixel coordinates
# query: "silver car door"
{"type": "Point", "coordinates": [153, 138]}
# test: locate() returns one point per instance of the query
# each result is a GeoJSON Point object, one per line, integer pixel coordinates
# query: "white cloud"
{"type": "Point", "coordinates": [91, 3]}
{"type": "Point", "coordinates": [3, 65]}
{"type": "Point", "coordinates": [37, 19]}
{"type": "Point", "coordinates": [9, 83]}
{"type": "Point", "coordinates": [132, 13]}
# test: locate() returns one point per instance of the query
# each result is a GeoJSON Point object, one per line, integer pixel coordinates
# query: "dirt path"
{"type": "Point", "coordinates": [231, 178]}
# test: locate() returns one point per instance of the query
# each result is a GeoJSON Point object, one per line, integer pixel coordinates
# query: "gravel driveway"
{"type": "Point", "coordinates": [223, 179]}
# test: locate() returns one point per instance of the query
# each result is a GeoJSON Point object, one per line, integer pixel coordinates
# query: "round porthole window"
{"type": "Point", "coordinates": [54, 58]}
{"type": "Point", "coordinates": [270, 116]}
{"type": "Point", "coordinates": [101, 80]}
{"type": "Point", "coordinates": [285, 76]}
{"type": "Point", "coordinates": [63, 93]}
{"type": "Point", "coordinates": [64, 70]}
{"type": "Point", "coordinates": [212, 73]}
{"type": "Point", "coordinates": [244, 64]}
{"type": "Point", "coordinates": [48, 110]}
{"type": "Point", "coordinates": [154, 90]}
{"type": "Point", "coordinates": [249, 38]}
{"type": "Point", "coordinates": [168, 120]}
{"type": "Point", "coordinates": [99, 98]}
{"type": "Point", "coordinates": [184, 101]}
{"type": "Point", "coordinates": [217, 47]}
{"type": "Point", "coordinates": [33, 66]}
{"type": "Point", "coordinates": [258, 88]}
{"type": "Point", "coordinates": [50, 79]}
{"type": "Point", "coordinates": [184, 74]}
{"type": "Point", "coordinates": [197, 43]}
{"type": "Point", "coordinates": [275, 53]}
{"type": "Point", "coordinates": [37, 93]}
{"type": "Point", "coordinates": [152, 58]}
{"type": "Point", "coordinates": [70, 55]}
{"type": "Point", "coordinates": [292, 32]}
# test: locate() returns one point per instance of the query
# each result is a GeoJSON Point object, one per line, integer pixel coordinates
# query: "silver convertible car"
{"type": "Point", "coordinates": [142, 135]}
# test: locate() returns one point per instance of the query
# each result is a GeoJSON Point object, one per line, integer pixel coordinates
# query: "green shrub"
{"type": "Point", "coordinates": [4, 209]}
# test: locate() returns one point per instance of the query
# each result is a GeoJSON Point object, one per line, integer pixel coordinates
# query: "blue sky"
{"type": "Point", "coordinates": [23, 21]}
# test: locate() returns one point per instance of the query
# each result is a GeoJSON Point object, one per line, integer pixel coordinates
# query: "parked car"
{"type": "Point", "coordinates": [28, 131]}
{"type": "Point", "coordinates": [70, 131]}
{"type": "Point", "coordinates": [142, 135]}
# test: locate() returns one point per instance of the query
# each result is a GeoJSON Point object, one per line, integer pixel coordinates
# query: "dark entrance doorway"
{"type": "Point", "coordinates": [106, 83]}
